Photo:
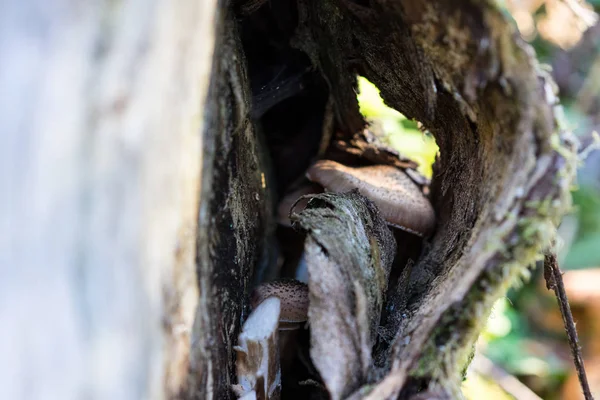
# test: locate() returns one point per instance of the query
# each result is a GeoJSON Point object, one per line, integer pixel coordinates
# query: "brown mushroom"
{"type": "Point", "coordinates": [398, 198]}
{"type": "Point", "coordinates": [293, 295]}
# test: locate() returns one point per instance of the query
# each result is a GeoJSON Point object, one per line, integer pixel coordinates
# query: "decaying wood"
{"type": "Point", "coordinates": [501, 182]}
{"type": "Point", "coordinates": [347, 284]}
{"type": "Point", "coordinates": [100, 153]}
{"type": "Point", "coordinates": [234, 218]}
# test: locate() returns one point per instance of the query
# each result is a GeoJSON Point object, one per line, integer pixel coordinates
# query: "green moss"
{"type": "Point", "coordinates": [460, 325]}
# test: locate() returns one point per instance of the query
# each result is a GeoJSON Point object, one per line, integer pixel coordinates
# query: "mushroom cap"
{"type": "Point", "coordinates": [399, 199]}
{"type": "Point", "coordinates": [293, 295]}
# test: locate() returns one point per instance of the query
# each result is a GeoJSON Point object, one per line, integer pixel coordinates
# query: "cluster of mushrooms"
{"type": "Point", "coordinates": [401, 203]}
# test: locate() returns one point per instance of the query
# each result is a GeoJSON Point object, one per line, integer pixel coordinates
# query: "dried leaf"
{"type": "Point", "coordinates": [349, 252]}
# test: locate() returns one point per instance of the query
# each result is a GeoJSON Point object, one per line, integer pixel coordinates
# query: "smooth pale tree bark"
{"type": "Point", "coordinates": [101, 106]}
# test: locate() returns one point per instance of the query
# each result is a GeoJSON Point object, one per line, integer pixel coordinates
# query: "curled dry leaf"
{"type": "Point", "coordinates": [258, 370]}
{"type": "Point", "coordinates": [349, 252]}
{"type": "Point", "coordinates": [292, 198]}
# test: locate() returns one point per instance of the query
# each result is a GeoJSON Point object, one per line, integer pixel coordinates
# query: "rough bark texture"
{"type": "Point", "coordinates": [100, 151]}
{"type": "Point", "coordinates": [501, 182]}
{"type": "Point", "coordinates": [234, 217]}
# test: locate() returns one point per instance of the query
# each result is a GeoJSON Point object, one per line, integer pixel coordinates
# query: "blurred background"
{"type": "Point", "coordinates": [523, 352]}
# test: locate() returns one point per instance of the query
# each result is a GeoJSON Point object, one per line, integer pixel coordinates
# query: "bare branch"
{"type": "Point", "coordinates": [554, 281]}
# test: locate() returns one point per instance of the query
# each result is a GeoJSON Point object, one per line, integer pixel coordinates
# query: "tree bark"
{"type": "Point", "coordinates": [101, 115]}
{"type": "Point", "coordinates": [234, 217]}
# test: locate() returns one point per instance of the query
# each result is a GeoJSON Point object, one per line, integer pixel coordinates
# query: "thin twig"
{"type": "Point", "coordinates": [511, 385]}
{"type": "Point", "coordinates": [554, 281]}
{"type": "Point", "coordinates": [593, 143]}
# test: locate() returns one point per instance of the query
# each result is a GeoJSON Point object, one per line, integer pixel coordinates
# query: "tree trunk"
{"type": "Point", "coordinates": [144, 146]}
{"type": "Point", "coordinates": [101, 151]}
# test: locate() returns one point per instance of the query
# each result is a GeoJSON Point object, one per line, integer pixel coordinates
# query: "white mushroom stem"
{"type": "Point", "coordinates": [258, 370]}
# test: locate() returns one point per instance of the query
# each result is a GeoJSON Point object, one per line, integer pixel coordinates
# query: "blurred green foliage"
{"type": "Point", "coordinates": [515, 348]}
{"type": "Point", "coordinates": [585, 250]}
{"type": "Point", "coordinates": [396, 130]}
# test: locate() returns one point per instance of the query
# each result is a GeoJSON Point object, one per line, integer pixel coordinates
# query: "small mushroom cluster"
{"type": "Point", "coordinates": [293, 295]}
{"type": "Point", "coordinates": [399, 200]}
